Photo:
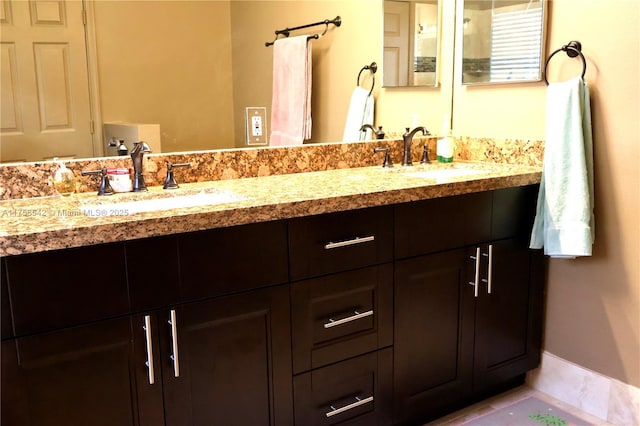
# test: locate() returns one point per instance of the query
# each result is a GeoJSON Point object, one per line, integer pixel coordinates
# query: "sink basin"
{"type": "Point", "coordinates": [444, 174]}
{"type": "Point", "coordinates": [124, 208]}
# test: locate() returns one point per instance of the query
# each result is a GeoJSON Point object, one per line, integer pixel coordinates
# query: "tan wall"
{"type": "Point", "coordinates": [593, 304]}
{"type": "Point", "coordinates": [337, 60]}
{"type": "Point", "coordinates": [167, 62]}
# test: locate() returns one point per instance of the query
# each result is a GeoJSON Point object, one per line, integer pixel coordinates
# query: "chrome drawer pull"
{"type": "Point", "coordinates": [174, 344]}
{"type": "Point", "coordinates": [149, 362]}
{"type": "Point", "coordinates": [476, 280]}
{"type": "Point", "coordinates": [357, 316]}
{"type": "Point", "coordinates": [357, 240]}
{"type": "Point", "coordinates": [334, 411]}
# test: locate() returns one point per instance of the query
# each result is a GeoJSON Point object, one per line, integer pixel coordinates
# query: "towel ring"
{"type": "Point", "coordinates": [373, 68]}
{"type": "Point", "coordinates": [573, 49]}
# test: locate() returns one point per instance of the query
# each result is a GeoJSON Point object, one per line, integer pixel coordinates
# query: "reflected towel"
{"type": "Point", "coordinates": [291, 98]}
{"type": "Point", "coordinates": [564, 223]}
{"type": "Point", "coordinates": [360, 112]}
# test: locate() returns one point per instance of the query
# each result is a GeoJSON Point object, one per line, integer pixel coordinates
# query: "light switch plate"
{"type": "Point", "coordinates": [256, 126]}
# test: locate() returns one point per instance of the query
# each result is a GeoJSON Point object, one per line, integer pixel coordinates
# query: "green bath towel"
{"type": "Point", "coordinates": [564, 223]}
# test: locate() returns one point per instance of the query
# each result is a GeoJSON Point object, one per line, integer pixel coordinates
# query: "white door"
{"type": "Point", "coordinates": [45, 110]}
{"type": "Point", "coordinates": [396, 43]}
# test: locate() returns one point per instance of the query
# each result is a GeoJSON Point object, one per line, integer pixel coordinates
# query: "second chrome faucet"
{"type": "Point", "coordinates": [408, 138]}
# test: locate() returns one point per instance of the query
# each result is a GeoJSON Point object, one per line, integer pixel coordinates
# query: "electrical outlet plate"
{"type": "Point", "coordinates": [256, 126]}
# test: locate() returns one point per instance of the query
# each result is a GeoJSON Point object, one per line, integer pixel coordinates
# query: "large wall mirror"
{"type": "Point", "coordinates": [411, 36]}
{"type": "Point", "coordinates": [191, 66]}
{"type": "Point", "coordinates": [502, 40]}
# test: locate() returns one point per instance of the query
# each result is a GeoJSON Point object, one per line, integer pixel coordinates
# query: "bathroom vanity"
{"type": "Point", "coordinates": [384, 300]}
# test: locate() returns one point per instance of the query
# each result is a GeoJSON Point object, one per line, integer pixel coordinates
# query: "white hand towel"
{"type": "Point", "coordinates": [291, 97]}
{"type": "Point", "coordinates": [564, 223]}
{"type": "Point", "coordinates": [360, 112]}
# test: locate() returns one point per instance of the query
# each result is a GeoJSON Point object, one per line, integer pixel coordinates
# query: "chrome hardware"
{"type": "Point", "coordinates": [174, 344]}
{"type": "Point", "coordinates": [476, 279]}
{"type": "Point", "coordinates": [490, 269]}
{"type": "Point", "coordinates": [357, 240]}
{"type": "Point", "coordinates": [149, 362]}
{"type": "Point", "coordinates": [357, 316]}
{"type": "Point", "coordinates": [334, 411]}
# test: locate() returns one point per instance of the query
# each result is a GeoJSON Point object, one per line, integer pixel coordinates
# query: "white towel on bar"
{"type": "Point", "coordinates": [360, 112]}
{"type": "Point", "coordinates": [564, 223]}
{"type": "Point", "coordinates": [291, 97]}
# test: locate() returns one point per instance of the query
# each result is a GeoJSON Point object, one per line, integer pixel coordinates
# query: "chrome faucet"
{"type": "Point", "coordinates": [408, 137]}
{"type": "Point", "coordinates": [379, 133]}
{"type": "Point", "coordinates": [139, 148]}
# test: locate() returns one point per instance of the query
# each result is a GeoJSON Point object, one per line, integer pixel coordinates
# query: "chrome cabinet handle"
{"type": "Point", "coordinates": [357, 240]}
{"type": "Point", "coordinates": [476, 280]}
{"type": "Point", "coordinates": [149, 362]}
{"type": "Point", "coordinates": [489, 279]}
{"type": "Point", "coordinates": [357, 315]}
{"type": "Point", "coordinates": [335, 411]}
{"type": "Point", "coordinates": [174, 344]}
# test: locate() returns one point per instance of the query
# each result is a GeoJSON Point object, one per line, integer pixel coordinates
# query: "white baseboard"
{"type": "Point", "coordinates": [604, 397]}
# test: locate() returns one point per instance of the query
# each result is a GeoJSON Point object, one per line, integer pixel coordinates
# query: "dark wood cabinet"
{"type": "Point", "coordinates": [467, 321]}
{"type": "Point", "coordinates": [508, 314]}
{"type": "Point", "coordinates": [83, 375]}
{"type": "Point", "coordinates": [234, 361]}
{"type": "Point", "coordinates": [433, 336]}
{"type": "Point", "coordinates": [108, 338]}
{"type": "Point", "coordinates": [388, 315]}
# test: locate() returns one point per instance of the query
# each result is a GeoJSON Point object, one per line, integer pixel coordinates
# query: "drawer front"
{"type": "Point", "coordinates": [341, 315]}
{"type": "Point", "coordinates": [229, 260]}
{"type": "Point", "coordinates": [442, 223]}
{"type": "Point", "coordinates": [62, 288]}
{"type": "Point", "coordinates": [354, 392]}
{"type": "Point", "coordinates": [341, 241]}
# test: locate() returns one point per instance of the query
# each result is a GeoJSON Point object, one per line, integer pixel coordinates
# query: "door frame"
{"type": "Point", "coordinates": [97, 136]}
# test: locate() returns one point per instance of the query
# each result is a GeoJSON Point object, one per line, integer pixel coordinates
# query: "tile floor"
{"type": "Point", "coordinates": [508, 398]}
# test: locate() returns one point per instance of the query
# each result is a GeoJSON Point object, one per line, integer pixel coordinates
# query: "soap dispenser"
{"type": "Point", "coordinates": [444, 145]}
{"type": "Point", "coordinates": [64, 181]}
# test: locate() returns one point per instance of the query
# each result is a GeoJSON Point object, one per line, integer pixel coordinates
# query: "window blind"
{"type": "Point", "coordinates": [516, 40]}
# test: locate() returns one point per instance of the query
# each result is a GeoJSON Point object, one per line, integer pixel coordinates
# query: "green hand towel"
{"type": "Point", "coordinates": [564, 223]}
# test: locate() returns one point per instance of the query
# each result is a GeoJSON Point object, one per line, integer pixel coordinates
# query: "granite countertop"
{"type": "Point", "coordinates": [49, 223]}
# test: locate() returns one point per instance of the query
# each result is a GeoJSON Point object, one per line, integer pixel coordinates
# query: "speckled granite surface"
{"type": "Point", "coordinates": [29, 180]}
{"type": "Point", "coordinates": [269, 184]}
{"type": "Point", "coordinates": [46, 223]}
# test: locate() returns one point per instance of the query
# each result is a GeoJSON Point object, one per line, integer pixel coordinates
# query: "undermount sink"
{"type": "Point", "coordinates": [449, 173]}
{"type": "Point", "coordinates": [124, 208]}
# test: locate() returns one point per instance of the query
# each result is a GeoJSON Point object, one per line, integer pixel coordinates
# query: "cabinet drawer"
{"type": "Point", "coordinates": [229, 260]}
{"type": "Point", "coordinates": [356, 391]}
{"type": "Point", "coordinates": [442, 223]}
{"type": "Point", "coordinates": [342, 315]}
{"type": "Point", "coordinates": [61, 288]}
{"type": "Point", "coordinates": [341, 241]}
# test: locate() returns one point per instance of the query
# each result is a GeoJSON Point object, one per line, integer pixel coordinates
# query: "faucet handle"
{"type": "Point", "coordinates": [387, 157]}
{"type": "Point", "coordinates": [425, 155]}
{"type": "Point", "coordinates": [105, 187]}
{"type": "Point", "coordinates": [170, 180]}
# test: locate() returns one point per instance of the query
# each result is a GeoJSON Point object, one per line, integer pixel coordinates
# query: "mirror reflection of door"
{"type": "Point", "coordinates": [396, 43]}
{"type": "Point", "coordinates": [45, 108]}
{"type": "Point", "coordinates": [411, 34]}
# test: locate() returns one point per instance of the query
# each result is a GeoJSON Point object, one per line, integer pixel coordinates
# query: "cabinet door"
{"type": "Point", "coordinates": [78, 376]}
{"type": "Point", "coordinates": [234, 361]}
{"type": "Point", "coordinates": [509, 318]}
{"type": "Point", "coordinates": [433, 335]}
